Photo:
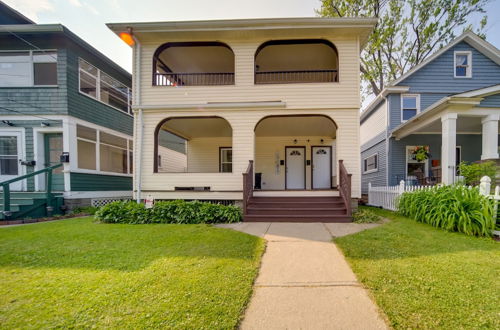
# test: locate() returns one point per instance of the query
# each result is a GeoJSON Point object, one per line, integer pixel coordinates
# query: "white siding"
{"type": "Point", "coordinates": [203, 153]}
{"type": "Point", "coordinates": [375, 124]}
{"type": "Point", "coordinates": [171, 160]}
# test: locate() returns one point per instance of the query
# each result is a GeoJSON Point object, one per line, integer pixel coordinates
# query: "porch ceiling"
{"type": "Point", "coordinates": [189, 128]}
{"type": "Point", "coordinates": [198, 59]}
{"type": "Point", "coordinates": [296, 126]}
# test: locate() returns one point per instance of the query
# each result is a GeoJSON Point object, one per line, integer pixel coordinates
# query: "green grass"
{"type": "Point", "coordinates": [424, 277]}
{"type": "Point", "coordinates": [76, 274]}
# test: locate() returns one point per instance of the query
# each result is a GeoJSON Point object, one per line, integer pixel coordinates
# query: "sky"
{"type": "Point", "coordinates": [87, 18]}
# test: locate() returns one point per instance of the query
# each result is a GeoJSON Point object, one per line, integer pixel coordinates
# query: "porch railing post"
{"type": "Point", "coordinates": [49, 192]}
{"type": "Point", "coordinates": [6, 199]}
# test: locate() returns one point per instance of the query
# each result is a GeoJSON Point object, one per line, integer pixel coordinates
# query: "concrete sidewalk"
{"type": "Point", "coordinates": [304, 281]}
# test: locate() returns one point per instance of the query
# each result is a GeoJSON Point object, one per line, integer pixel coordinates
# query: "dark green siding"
{"type": "Point", "coordinates": [97, 182]}
{"type": "Point", "coordinates": [88, 109]}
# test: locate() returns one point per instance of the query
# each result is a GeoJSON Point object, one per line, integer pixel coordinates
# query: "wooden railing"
{"type": "Point", "coordinates": [193, 79]}
{"type": "Point", "coordinates": [345, 187]}
{"type": "Point", "coordinates": [247, 186]}
{"type": "Point", "coordinates": [299, 76]}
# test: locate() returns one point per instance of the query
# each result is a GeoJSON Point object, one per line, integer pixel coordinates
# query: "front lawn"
{"type": "Point", "coordinates": [424, 277]}
{"type": "Point", "coordinates": [76, 273]}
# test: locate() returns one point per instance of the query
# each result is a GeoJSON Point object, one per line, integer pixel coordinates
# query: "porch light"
{"type": "Point", "coordinates": [322, 141]}
{"type": "Point", "coordinates": [295, 141]}
{"type": "Point", "coordinates": [127, 38]}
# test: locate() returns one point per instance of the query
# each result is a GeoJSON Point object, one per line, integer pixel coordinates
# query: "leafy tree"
{"type": "Point", "coordinates": [407, 32]}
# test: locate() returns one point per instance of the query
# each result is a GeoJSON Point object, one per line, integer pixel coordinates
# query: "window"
{"type": "Point", "coordinates": [28, 68]}
{"type": "Point", "coordinates": [115, 153]}
{"type": "Point", "coordinates": [463, 64]}
{"type": "Point", "coordinates": [102, 87]}
{"type": "Point", "coordinates": [8, 155]}
{"type": "Point", "coordinates": [370, 164]}
{"type": "Point", "coordinates": [409, 106]}
{"type": "Point", "coordinates": [226, 160]}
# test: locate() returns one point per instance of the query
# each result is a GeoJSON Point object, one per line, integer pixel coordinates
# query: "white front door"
{"type": "Point", "coordinates": [321, 167]}
{"type": "Point", "coordinates": [295, 168]}
{"type": "Point", "coordinates": [11, 153]}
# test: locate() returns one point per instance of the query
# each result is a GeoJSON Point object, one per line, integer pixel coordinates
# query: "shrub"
{"type": "Point", "coordinates": [453, 208]}
{"type": "Point", "coordinates": [179, 211]}
{"type": "Point", "coordinates": [473, 172]}
{"type": "Point", "coordinates": [366, 216]}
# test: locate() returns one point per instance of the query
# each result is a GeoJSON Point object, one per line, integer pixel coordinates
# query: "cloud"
{"type": "Point", "coordinates": [31, 8]}
{"type": "Point", "coordinates": [76, 3]}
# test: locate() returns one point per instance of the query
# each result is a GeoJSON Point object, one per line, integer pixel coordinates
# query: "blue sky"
{"type": "Point", "coordinates": [87, 18]}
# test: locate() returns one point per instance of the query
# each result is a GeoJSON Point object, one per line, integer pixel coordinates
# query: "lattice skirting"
{"type": "Point", "coordinates": [98, 202]}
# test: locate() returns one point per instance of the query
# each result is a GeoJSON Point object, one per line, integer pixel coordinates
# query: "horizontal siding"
{"type": "Point", "coordinates": [96, 182]}
{"type": "Point", "coordinates": [314, 95]}
{"type": "Point", "coordinates": [378, 178]}
{"type": "Point", "coordinates": [243, 122]}
{"type": "Point", "coordinates": [203, 153]}
{"type": "Point", "coordinates": [171, 160]}
{"type": "Point", "coordinates": [375, 140]}
{"type": "Point", "coordinates": [492, 101]}
{"type": "Point", "coordinates": [374, 124]}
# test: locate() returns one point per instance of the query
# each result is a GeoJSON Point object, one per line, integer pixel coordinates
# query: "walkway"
{"type": "Point", "coordinates": [304, 281]}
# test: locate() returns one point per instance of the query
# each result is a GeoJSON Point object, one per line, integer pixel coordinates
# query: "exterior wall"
{"type": "Point", "coordinates": [374, 124]}
{"type": "Point", "coordinates": [344, 94]}
{"type": "Point", "coordinates": [492, 101]}
{"type": "Point", "coordinates": [172, 161]}
{"type": "Point", "coordinates": [266, 149]}
{"type": "Point", "coordinates": [203, 154]}
{"type": "Point", "coordinates": [377, 145]}
{"type": "Point", "coordinates": [95, 182]}
{"type": "Point", "coordinates": [243, 122]}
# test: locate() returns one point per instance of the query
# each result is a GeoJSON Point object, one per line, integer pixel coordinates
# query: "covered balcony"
{"type": "Point", "coordinates": [296, 61]}
{"type": "Point", "coordinates": [193, 64]}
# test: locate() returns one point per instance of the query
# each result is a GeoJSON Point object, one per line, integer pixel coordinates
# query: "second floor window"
{"type": "Point", "coordinates": [28, 68]}
{"type": "Point", "coordinates": [101, 86]}
{"type": "Point", "coordinates": [463, 68]}
{"type": "Point", "coordinates": [409, 106]}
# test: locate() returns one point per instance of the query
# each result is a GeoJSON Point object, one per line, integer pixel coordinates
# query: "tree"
{"type": "Point", "coordinates": [407, 32]}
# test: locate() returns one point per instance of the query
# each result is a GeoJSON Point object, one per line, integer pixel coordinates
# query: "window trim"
{"type": "Point", "coordinates": [220, 159]}
{"type": "Point", "coordinates": [468, 70]}
{"type": "Point", "coordinates": [98, 89]}
{"type": "Point", "coordinates": [377, 164]}
{"type": "Point", "coordinates": [417, 104]}
{"type": "Point", "coordinates": [32, 67]}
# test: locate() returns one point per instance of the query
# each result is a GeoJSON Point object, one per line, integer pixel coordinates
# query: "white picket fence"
{"type": "Point", "coordinates": [386, 196]}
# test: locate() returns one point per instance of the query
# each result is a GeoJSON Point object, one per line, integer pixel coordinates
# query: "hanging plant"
{"type": "Point", "coordinates": [421, 153]}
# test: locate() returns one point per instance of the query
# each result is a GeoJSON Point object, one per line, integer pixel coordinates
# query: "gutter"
{"type": "Point", "coordinates": [140, 125]}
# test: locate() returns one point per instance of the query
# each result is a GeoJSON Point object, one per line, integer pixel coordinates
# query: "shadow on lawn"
{"type": "Point", "coordinates": [406, 238]}
{"type": "Point", "coordinates": [80, 243]}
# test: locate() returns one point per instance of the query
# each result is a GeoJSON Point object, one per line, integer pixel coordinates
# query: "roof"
{"type": "Point", "coordinates": [233, 25]}
{"type": "Point", "coordinates": [471, 38]}
{"type": "Point", "coordinates": [59, 28]}
{"type": "Point", "coordinates": [16, 16]}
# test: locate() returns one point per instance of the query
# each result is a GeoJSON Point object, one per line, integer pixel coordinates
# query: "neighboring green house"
{"type": "Point", "coordinates": [60, 95]}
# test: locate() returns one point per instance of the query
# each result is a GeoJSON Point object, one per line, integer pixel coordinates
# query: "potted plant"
{"type": "Point", "coordinates": [421, 153]}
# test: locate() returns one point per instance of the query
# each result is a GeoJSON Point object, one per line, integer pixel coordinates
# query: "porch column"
{"type": "Point", "coordinates": [490, 137]}
{"type": "Point", "coordinates": [448, 147]}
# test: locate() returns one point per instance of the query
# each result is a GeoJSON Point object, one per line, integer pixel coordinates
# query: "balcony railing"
{"type": "Point", "coordinates": [193, 79]}
{"type": "Point", "coordinates": [301, 76]}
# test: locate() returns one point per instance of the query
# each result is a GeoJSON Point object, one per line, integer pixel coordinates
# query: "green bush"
{"type": "Point", "coordinates": [85, 210]}
{"type": "Point", "coordinates": [179, 211]}
{"type": "Point", "coordinates": [473, 172]}
{"type": "Point", "coordinates": [366, 216]}
{"type": "Point", "coordinates": [453, 208]}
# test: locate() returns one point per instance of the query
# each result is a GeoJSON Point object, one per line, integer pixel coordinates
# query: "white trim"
{"type": "Point", "coordinates": [426, 162]}
{"type": "Point", "coordinates": [96, 172]}
{"type": "Point", "coordinates": [214, 105]}
{"type": "Point", "coordinates": [21, 153]}
{"type": "Point", "coordinates": [380, 97]}
{"type": "Point", "coordinates": [417, 104]}
{"type": "Point", "coordinates": [377, 163]}
{"type": "Point", "coordinates": [97, 194]}
{"type": "Point", "coordinates": [483, 92]}
{"type": "Point", "coordinates": [39, 152]}
{"type": "Point", "coordinates": [468, 69]}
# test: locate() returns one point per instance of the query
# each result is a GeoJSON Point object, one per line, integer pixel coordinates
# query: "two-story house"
{"type": "Point", "coordinates": [276, 100]}
{"type": "Point", "coordinates": [449, 105]}
{"type": "Point", "coordinates": [60, 95]}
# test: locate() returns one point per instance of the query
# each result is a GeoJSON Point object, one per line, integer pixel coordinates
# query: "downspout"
{"type": "Point", "coordinates": [140, 125]}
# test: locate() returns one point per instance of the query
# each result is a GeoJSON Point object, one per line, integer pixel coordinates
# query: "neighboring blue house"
{"type": "Point", "coordinates": [59, 94]}
{"type": "Point", "coordinates": [449, 103]}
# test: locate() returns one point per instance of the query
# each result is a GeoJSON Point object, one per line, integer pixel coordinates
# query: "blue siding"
{"type": "Point", "coordinates": [492, 101]}
{"type": "Point", "coordinates": [378, 178]}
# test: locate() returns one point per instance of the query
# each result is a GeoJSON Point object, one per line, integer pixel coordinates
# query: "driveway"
{"type": "Point", "coordinates": [304, 281]}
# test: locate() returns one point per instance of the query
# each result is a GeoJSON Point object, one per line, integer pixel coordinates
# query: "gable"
{"type": "Point", "coordinates": [438, 75]}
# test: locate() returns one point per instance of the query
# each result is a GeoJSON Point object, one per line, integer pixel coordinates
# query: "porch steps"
{"type": "Point", "coordinates": [30, 205]}
{"type": "Point", "coordinates": [296, 209]}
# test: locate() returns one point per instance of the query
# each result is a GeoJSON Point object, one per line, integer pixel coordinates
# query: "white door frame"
{"type": "Point", "coordinates": [21, 149]}
{"type": "Point", "coordinates": [286, 165]}
{"type": "Point", "coordinates": [39, 152]}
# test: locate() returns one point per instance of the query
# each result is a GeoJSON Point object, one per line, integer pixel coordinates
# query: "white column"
{"type": "Point", "coordinates": [448, 147]}
{"type": "Point", "coordinates": [490, 137]}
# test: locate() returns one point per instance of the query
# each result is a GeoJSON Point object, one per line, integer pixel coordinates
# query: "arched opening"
{"type": "Point", "coordinates": [296, 61]}
{"type": "Point", "coordinates": [193, 145]}
{"type": "Point", "coordinates": [193, 64]}
{"type": "Point", "coordinates": [295, 152]}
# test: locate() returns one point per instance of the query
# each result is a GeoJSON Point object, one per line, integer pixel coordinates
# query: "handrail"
{"type": "Point", "coordinates": [6, 187]}
{"type": "Point", "coordinates": [345, 187]}
{"type": "Point", "coordinates": [247, 186]}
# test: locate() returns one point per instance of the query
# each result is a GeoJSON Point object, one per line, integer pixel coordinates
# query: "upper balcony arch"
{"type": "Point", "coordinates": [296, 61]}
{"type": "Point", "coordinates": [198, 63]}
